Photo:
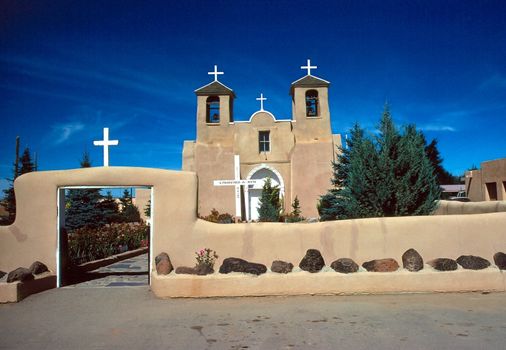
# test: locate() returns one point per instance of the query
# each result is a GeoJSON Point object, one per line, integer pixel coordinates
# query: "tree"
{"type": "Point", "coordinates": [22, 166]}
{"type": "Point", "coordinates": [83, 205]}
{"type": "Point", "coordinates": [443, 177]}
{"type": "Point", "coordinates": [147, 209]}
{"type": "Point", "coordinates": [386, 175]}
{"type": "Point", "coordinates": [109, 208]}
{"type": "Point", "coordinates": [270, 205]}
{"type": "Point", "coordinates": [295, 216]}
{"type": "Point", "coordinates": [129, 212]}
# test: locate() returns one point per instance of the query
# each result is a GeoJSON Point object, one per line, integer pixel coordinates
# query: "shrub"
{"type": "Point", "coordinates": [206, 257]}
{"type": "Point", "coordinates": [216, 217]}
{"type": "Point", "coordinates": [88, 243]}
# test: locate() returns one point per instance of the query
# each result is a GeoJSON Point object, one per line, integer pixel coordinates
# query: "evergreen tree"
{"type": "Point", "coordinates": [109, 208]}
{"type": "Point", "coordinates": [295, 216]}
{"type": "Point", "coordinates": [388, 175]}
{"type": "Point", "coordinates": [126, 200]}
{"type": "Point", "coordinates": [443, 177]}
{"type": "Point", "coordinates": [270, 206]}
{"type": "Point", "coordinates": [147, 209]}
{"type": "Point", "coordinates": [83, 205]}
{"type": "Point", "coordinates": [22, 166]}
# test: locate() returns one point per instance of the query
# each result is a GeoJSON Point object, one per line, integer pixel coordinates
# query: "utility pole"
{"type": "Point", "coordinates": [16, 164]}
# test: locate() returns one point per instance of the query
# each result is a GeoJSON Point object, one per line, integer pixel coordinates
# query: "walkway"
{"type": "Point", "coordinates": [127, 273]}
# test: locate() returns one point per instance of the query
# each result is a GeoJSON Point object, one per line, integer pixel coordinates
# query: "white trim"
{"type": "Point", "coordinates": [214, 81]}
{"type": "Point", "coordinates": [251, 173]}
{"type": "Point", "coordinates": [61, 189]}
{"type": "Point", "coordinates": [151, 233]}
{"type": "Point", "coordinates": [314, 76]}
{"type": "Point", "coordinates": [262, 111]}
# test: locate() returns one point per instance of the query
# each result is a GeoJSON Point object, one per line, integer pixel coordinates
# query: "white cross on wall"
{"type": "Point", "coordinates": [261, 99]}
{"type": "Point", "coordinates": [215, 73]}
{"type": "Point", "coordinates": [308, 67]}
{"type": "Point", "coordinates": [237, 182]}
{"type": "Point", "coordinates": [106, 143]}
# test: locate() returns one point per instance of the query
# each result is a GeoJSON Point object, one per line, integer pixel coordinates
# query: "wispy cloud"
{"type": "Point", "coordinates": [103, 77]}
{"type": "Point", "coordinates": [435, 127]}
{"type": "Point", "coordinates": [495, 81]}
{"type": "Point", "coordinates": [64, 131]}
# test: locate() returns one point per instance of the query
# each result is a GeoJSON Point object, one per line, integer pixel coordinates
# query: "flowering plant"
{"type": "Point", "coordinates": [206, 256]}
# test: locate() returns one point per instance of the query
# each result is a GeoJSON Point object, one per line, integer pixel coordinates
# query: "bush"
{"type": "Point", "coordinates": [88, 244]}
{"type": "Point", "coordinates": [216, 217]}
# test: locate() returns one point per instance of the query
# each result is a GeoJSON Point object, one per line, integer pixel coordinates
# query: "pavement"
{"type": "Point", "coordinates": [126, 273]}
{"type": "Point", "coordinates": [131, 317]}
{"type": "Point", "coordinates": [114, 309]}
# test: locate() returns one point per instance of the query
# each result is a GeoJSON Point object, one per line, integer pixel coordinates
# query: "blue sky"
{"type": "Point", "coordinates": [70, 68]}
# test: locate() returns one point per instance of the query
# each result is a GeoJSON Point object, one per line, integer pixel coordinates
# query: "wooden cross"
{"type": "Point", "coordinates": [237, 182]}
{"type": "Point", "coordinates": [215, 73]}
{"type": "Point", "coordinates": [308, 67]}
{"type": "Point", "coordinates": [106, 143]}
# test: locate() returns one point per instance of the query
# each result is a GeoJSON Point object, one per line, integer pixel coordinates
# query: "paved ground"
{"type": "Point", "coordinates": [130, 272]}
{"type": "Point", "coordinates": [132, 318]}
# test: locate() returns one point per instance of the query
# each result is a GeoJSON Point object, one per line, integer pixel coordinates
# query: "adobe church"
{"type": "Point", "coordinates": [295, 153]}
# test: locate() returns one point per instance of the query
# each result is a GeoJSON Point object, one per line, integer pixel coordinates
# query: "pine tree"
{"type": "Point", "coordinates": [83, 205]}
{"type": "Point", "coordinates": [270, 205]}
{"type": "Point", "coordinates": [109, 208]}
{"type": "Point", "coordinates": [147, 209]}
{"type": "Point", "coordinates": [442, 175]}
{"type": "Point", "coordinates": [22, 166]}
{"type": "Point", "coordinates": [387, 175]}
{"type": "Point", "coordinates": [295, 216]}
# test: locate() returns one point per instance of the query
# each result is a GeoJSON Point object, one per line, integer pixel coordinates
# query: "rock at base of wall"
{"type": "Point", "coordinates": [443, 264]}
{"type": "Point", "coordinates": [240, 265]}
{"type": "Point", "coordinates": [20, 274]}
{"type": "Point", "coordinates": [279, 266]}
{"type": "Point", "coordinates": [163, 264]}
{"type": "Point", "coordinates": [344, 265]}
{"type": "Point", "coordinates": [471, 262]}
{"type": "Point", "coordinates": [37, 268]}
{"type": "Point", "coordinates": [412, 260]}
{"type": "Point", "coordinates": [381, 265]}
{"type": "Point", "coordinates": [500, 260]}
{"type": "Point", "coordinates": [312, 261]}
{"type": "Point", "coordinates": [2, 274]}
{"type": "Point", "coordinates": [200, 270]}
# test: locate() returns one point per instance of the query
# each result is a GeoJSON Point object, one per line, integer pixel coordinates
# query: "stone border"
{"type": "Point", "coordinates": [93, 265]}
{"type": "Point", "coordinates": [328, 283]}
{"type": "Point", "coordinates": [17, 291]}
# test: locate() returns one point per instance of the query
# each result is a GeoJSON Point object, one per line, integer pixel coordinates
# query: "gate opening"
{"type": "Point", "coordinates": [104, 235]}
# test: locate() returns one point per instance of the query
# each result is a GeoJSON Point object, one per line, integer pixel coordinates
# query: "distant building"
{"type": "Point", "coordinates": [296, 153]}
{"type": "Point", "coordinates": [488, 183]}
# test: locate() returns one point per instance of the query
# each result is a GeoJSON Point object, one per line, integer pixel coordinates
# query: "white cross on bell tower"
{"type": "Point", "coordinates": [308, 67]}
{"type": "Point", "coordinates": [261, 99]}
{"type": "Point", "coordinates": [215, 73]}
{"type": "Point", "coordinates": [106, 143]}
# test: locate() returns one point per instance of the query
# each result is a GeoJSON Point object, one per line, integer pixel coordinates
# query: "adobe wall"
{"type": "Point", "coordinates": [178, 232]}
{"type": "Point", "coordinates": [33, 235]}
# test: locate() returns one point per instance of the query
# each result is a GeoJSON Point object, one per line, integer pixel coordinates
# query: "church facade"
{"type": "Point", "coordinates": [296, 153]}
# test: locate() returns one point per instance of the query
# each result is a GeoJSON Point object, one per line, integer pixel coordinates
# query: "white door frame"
{"type": "Point", "coordinates": [60, 222]}
{"type": "Point", "coordinates": [247, 188]}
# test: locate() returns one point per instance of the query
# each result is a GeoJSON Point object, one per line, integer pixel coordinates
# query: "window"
{"type": "Point", "coordinates": [213, 109]}
{"type": "Point", "coordinates": [311, 103]}
{"type": "Point", "coordinates": [492, 191]}
{"type": "Point", "coordinates": [264, 144]}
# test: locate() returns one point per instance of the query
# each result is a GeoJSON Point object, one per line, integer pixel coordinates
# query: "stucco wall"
{"type": "Point", "coordinates": [33, 235]}
{"type": "Point", "coordinates": [178, 232]}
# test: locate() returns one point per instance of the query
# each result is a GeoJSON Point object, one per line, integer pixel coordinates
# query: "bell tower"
{"type": "Point", "coordinates": [310, 107]}
{"type": "Point", "coordinates": [214, 109]}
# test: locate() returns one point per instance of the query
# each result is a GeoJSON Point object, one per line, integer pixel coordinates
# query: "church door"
{"type": "Point", "coordinates": [255, 192]}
